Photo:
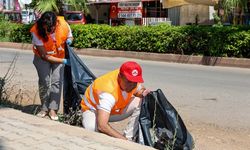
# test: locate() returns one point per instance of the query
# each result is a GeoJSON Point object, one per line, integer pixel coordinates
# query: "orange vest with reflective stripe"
{"type": "Point", "coordinates": [106, 83]}
{"type": "Point", "coordinates": [54, 47]}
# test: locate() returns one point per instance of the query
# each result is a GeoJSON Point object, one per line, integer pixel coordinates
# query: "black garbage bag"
{"type": "Point", "coordinates": [161, 126]}
{"type": "Point", "coordinates": [77, 77]}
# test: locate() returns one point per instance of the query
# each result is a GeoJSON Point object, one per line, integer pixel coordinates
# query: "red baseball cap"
{"type": "Point", "coordinates": [132, 71]}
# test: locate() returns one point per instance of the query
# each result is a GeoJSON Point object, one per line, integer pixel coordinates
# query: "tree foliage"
{"type": "Point", "coordinates": [58, 5]}
{"type": "Point", "coordinates": [230, 5]}
{"type": "Point", "coordinates": [80, 5]}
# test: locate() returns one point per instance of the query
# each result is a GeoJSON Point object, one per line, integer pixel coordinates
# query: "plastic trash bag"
{"type": "Point", "coordinates": [77, 77]}
{"type": "Point", "coordinates": [161, 126]}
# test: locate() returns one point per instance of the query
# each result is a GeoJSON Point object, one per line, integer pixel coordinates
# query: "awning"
{"type": "Point", "coordinates": [175, 3]}
{"type": "Point", "coordinates": [115, 1]}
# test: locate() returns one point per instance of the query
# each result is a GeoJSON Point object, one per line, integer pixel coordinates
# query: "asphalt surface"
{"type": "Point", "coordinates": [210, 94]}
{"type": "Point", "coordinates": [187, 59]}
{"type": "Point", "coordinates": [206, 94]}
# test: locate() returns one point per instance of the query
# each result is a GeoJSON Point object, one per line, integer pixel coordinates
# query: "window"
{"type": "Point", "coordinates": [154, 9]}
{"type": "Point", "coordinates": [73, 17]}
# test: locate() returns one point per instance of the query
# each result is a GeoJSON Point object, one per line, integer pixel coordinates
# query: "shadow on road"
{"type": "Point", "coordinates": [29, 109]}
{"type": "Point", "coordinates": [206, 60]}
{"type": "Point", "coordinates": [210, 61]}
{"type": "Point", "coordinates": [2, 147]}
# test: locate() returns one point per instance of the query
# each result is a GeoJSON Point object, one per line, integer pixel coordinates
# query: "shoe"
{"type": "Point", "coordinates": [41, 114]}
{"type": "Point", "coordinates": [55, 118]}
{"type": "Point", "coordinates": [53, 115]}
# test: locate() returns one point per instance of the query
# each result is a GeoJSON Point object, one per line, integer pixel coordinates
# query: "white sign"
{"type": "Point", "coordinates": [25, 1]}
{"type": "Point", "coordinates": [130, 15]}
{"type": "Point", "coordinates": [129, 4]}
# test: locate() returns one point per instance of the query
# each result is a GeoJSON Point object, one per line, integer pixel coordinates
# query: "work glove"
{"type": "Point", "coordinates": [66, 62]}
{"type": "Point", "coordinates": [69, 41]}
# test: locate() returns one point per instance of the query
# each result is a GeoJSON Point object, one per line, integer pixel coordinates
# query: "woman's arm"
{"type": "Point", "coordinates": [44, 56]}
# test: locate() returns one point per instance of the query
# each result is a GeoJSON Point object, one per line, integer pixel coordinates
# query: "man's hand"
{"type": "Point", "coordinates": [145, 92]}
{"type": "Point", "coordinates": [142, 92]}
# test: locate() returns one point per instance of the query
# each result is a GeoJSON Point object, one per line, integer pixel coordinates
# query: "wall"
{"type": "Point", "coordinates": [174, 15]}
{"type": "Point", "coordinates": [9, 4]}
{"type": "Point", "coordinates": [189, 12]}
{"type": "Point", "coordinates": [99, 13]}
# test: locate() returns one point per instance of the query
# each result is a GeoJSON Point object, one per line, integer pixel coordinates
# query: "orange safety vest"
{"type": "Point", "coordinates": [54, 47]}
{"type": "Point", "coordinates": [106, 83]}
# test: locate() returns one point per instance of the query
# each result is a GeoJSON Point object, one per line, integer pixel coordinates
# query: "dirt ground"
{"type": "Point", "coordinates": [23, 90]}
{"type": "Point", "coordinates": [212, 137]}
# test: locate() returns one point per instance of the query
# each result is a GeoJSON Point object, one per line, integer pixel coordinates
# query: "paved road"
{"type": "Point", "coordinates": [213, 101]}
{"type": "Point", "coordinates": [20, 131]}
{"type": "Point", "coordinates": [213, 95]}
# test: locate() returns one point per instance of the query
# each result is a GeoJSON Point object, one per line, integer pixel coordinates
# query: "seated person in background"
{"type": "Point", "coordinates": [113, 97]}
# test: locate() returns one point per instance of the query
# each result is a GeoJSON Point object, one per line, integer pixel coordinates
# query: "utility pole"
{"type": "Point", "coordinates": [218, 13]}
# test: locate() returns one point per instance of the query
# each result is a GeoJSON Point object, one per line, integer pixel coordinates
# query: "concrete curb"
{"type": "Point", "coordinates": [201, 60]}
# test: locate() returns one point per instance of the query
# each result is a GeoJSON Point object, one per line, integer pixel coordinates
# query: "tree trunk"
{"type": "Point", "coordinates": [60, 7]}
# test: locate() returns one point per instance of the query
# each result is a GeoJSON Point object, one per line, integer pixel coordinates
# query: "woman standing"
{"type": "Point", "coordinates": [49, 37]}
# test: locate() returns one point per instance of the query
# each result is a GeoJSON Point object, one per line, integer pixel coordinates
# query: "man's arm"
{"type": "Point", "coordinates": [104, 127]}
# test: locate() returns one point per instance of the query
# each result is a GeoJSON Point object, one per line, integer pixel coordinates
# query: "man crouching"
{"type": "Point", "coordinates": [113, 97]}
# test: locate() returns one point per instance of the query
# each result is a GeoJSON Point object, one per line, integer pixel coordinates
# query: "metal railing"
{"type": "Point", "coordinates": [153, 21]}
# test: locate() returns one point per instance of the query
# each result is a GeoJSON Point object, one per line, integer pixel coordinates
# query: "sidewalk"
{"type": "Point", "coordinates": [188, 59]}
{"type": "Point", "coordinates": [21, 131]}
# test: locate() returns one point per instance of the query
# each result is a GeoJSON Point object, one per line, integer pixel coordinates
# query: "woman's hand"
{"type": "Point", "coordinates": [69, 41]}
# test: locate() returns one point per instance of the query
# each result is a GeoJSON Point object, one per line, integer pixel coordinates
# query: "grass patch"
{"type": "Point", "coordinates": [11, 99]}
{"type": "Point", "coordinates": [4, 86]}
{"type": "Point", "coordinates": [9, 96]}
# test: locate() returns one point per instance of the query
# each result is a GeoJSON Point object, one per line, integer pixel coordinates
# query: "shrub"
{"type": "Point", "coordinates": [5, 29]}
{"type": "Point", "coordinates": [21, 34]}
{"type": "Point", "coordinates": [230, 41]}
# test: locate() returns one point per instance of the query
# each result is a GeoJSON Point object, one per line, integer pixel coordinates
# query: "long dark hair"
{"type": "Point", "coordinates": [48, 18]}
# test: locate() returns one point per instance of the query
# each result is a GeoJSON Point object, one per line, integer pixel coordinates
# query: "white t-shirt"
{"type": "Point", "coordinates": [38, 42]}
{"type": "Point", "coordinates": [107, 101]}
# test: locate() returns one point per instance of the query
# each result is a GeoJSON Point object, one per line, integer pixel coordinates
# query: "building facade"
{"type": "Point", "coordinates": [147, 12]}
{"type": "Point", "coordinates": [127, 12]}
{"type": "Point", "coordinates": [7, 4]}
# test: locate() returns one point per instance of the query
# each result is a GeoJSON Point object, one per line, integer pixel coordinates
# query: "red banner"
{"type": "Point", "coordinates": [113, 10]}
